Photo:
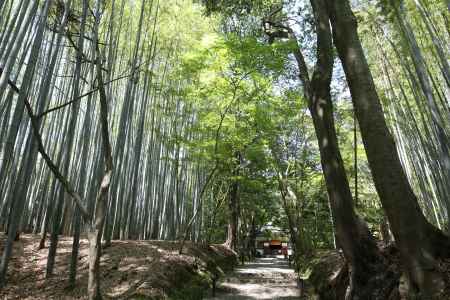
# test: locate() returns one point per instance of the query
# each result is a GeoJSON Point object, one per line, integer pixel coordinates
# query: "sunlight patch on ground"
{"type": "Point", "coordinates": [266, 278]}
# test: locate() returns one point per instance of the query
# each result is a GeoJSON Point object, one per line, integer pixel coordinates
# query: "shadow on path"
{"type": "Point", "coordinates": [265, 278]}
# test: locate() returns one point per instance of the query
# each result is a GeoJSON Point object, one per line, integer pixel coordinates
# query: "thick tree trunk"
{"type": "Point", "coordinates": [360, 249]}
{"type": "Point", "coordinates": [369, 278]}
{"type": "Point", "coordinates": [385, 232]}
{"type": "Point", "coordinates": [418, 241]}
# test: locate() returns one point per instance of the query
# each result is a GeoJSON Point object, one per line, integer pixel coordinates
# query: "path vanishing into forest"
{"type": "Point", "coordinates": [264, 278]}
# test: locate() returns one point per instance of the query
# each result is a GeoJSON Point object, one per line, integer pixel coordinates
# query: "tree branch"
{"type": "Point", "coordinates": [81, 96]}
{"type": "Point", "coordinates": [277, 30]}
{"type": "Point", "coordinates": [51, 165]}
{"type": "Point", "coordinates": [10, 82]}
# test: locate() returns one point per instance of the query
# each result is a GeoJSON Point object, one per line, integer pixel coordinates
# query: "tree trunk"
{"type": "Point", "coordinates": [286, 193]}
{"type": "Point", "coordinates": [368, 270]}
{"type": "Point", "coordinates": [86, 130]}
{"type": "Point", "coordinates": [233, 225]}
{"type": "Point", "coordinates": [385, 232]}
{"type": "Point", "coordinates": [418, 241]}
{"type": "Point", "coordinates": [94, 236]}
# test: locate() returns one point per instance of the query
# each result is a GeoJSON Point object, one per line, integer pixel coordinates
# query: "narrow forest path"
{"type": "Point", "coordinates": [264, 278]}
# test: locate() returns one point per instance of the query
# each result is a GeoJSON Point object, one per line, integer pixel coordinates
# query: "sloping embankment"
{"type": "Point", "coordinates": [130, 270]}
{"type": "Point", "coordinates": [329, 277]}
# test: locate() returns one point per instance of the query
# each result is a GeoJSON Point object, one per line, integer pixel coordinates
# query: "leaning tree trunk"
{"type": "Point", "coordinates": [95, 233]}
{"type": "Point", "coordinates": [419, 242]}
{"type": "Point", "coordinates": [369, 277]}
{"type": "Point", "coordinates": [368, 271]}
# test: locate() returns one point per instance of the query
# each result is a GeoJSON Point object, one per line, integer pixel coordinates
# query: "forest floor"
{"type": "Point", "coordinates": [129, 270]}
{"type": "Point", "coordinates": [264, 278]}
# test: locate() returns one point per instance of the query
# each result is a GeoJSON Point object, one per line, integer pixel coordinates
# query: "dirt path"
{"type": "Point", "coordinates": [265, 278]}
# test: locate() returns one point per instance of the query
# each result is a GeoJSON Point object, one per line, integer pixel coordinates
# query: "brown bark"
{"type": "Point", "coordinates": [233, 226]}
{"type": "Point", "coordinates": [369, 278]}
{"type": "Point", "coordinates": [385, 232]}
{"type": "Point", "coordinates": [366, 266]}
{"type": "Point", "coordinates": [418, 241]}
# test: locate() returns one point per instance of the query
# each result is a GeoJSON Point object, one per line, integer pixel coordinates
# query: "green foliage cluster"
{"type": "Point", "coordinates": [241, 101]}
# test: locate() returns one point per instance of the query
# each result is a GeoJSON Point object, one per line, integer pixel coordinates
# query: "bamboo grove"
{"type": "Point", "coordinates": [414, 77]}
{"type": "Point", "coordinates": [52, 55]}
{"type": "Point", "coordinates": [203, 121]}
